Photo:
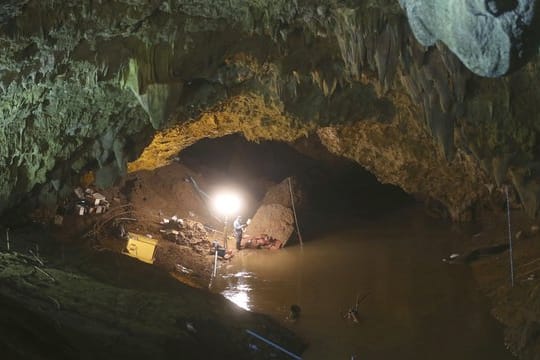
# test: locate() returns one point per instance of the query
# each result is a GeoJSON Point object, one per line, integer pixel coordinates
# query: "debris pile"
{"type": "Point", "coordinates": [186, 232]}
{"type": "Point", "coordinates": [90, 202]}
{"type": "Point", "coordinates": [113, 223]}
{"type": "Point", "coordinates": [264, 241]}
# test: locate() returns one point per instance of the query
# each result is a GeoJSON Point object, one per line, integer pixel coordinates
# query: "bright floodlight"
{"type": "Point", "coordinates": [227, 203]}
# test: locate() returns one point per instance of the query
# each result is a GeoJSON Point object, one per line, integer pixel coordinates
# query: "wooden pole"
{"type": "Point", "coordinates": [294, 212]}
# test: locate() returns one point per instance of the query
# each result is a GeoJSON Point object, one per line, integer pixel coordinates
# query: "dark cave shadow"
{"type": "Point", "coordinates": [531, 41]}
{"type": "Point", "coordinates": [498, 7]}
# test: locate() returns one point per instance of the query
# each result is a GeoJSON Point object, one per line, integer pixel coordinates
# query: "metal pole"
{"type": "Point", "coordinates": [7, 239]}
{"type": "Point", "coordinates": [294, 356]}
{"type": "Point", "coordinates": [225, 233]}
{"type": "Point", "coordinates": [213, 276]}
{"type": "Point", "coordinates": [215, 261]}
{"type": "Point", "coordinates": [509, 236]}
{"type": "Point", "coordinates": [294, 212]}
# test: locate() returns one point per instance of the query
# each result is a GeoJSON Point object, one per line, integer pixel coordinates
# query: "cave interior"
{"type": "Point", "coordinates": [117, 117]}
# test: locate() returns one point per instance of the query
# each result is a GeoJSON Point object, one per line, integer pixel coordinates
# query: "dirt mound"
{"type": "Point", "coordinates": [166, 192]}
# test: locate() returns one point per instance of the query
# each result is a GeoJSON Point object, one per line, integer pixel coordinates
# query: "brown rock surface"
{"type": "Point", "coordinates": [81, 90]}
{"type": "Point", "coordinates": [273, 220]}
{"type": "Point", "coordinates": [87, 85]}
{"type": "Point", "coordinates": [281, 194]}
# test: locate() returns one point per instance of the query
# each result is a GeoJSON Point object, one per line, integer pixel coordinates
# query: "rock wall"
{"type": "Point", "coordinates": [486, 35]}
{"type": "Point", "coordinates": [86, 85]}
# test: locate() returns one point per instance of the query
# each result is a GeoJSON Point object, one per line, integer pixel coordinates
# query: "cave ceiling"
{"type": "Point", "coordinates": [441, 100]}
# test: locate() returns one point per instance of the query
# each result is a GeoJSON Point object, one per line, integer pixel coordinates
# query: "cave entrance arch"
{"type": "Point", "coordinates": [332, 187]}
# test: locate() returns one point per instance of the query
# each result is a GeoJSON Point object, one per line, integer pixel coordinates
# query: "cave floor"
{"type": "Point", "coordinates": [139, 205]}
{"type": "Point", "coordinates": [68, 292]}
{"type": "Point", "coordinates": [517, 306]}
{"type": "Point", "coordinates": [88, 300]}
{"type": "Point", "coordinates": [162, 193]}
{"type": "Point", "coordinates": [67, 302]}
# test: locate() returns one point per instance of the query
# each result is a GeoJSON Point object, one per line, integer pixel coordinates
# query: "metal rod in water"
{"type": "Point", "coordinates": [215, 262]}
{"type": "Point", "coordinates": [225, 233]}
{"type": "Point", "coordinates": [294, 212]}
{"type": "Point", "coordinates": [294, 356]}
{"type": "Point", "coordinates": [7, 239]}
{"type": "Point", "coordinates": [215, 266]}
{"type": "Point", "coordinates": [509, 236]}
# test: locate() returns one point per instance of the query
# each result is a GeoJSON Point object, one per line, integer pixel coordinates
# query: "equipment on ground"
{"type": "Point", "coordinates": [141, 247]}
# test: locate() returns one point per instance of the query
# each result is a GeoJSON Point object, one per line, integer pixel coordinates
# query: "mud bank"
{"type": "Point", "coordinates": [517, 307]}
{"type": "Point", "coordinates": [71, 303]}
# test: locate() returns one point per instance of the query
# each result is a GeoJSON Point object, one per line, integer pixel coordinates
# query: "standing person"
{"type": "Point", "coordinates": [239, 226]}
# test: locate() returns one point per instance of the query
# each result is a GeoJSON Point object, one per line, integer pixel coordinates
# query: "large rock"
{"type": "Point", "coordinates": [275, 216]}
{"type": "Point", "coordinates": [274, 220]}
{"type": "Point", "coordinates": [281, 194]}
{"type": "Point", "coordinates": [485, 34]}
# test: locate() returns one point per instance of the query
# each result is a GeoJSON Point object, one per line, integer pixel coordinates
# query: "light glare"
{"type": "Point", "coordinates": [227, 203]}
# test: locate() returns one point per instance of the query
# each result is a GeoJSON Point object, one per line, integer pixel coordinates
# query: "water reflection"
{"type": "Point", "coordinates": [418, 307]}
{"type": "Point", "coordinates": [238, 289]}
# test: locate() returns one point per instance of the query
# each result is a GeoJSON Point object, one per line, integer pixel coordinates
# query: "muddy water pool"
{"type": "Point", "coordinates": [415, 305]}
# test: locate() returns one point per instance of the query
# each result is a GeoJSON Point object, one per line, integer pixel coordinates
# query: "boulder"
{"type": "Point", "coordinates": [274, 220]}
{"type": "Point", "coordinates": [280, 194]}
{"type": "Point", "coordinates": [486, 35]}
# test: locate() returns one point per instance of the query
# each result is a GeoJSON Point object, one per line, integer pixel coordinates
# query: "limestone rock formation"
{"type": "Point", "coordinates": [87, 86]}
{"type": "Point", "coordinates": [281, 194]}
{"type": "Point", "coordinates": [275, 216]}
{"type": "Point", "coordinates": [486, 35]}
{"type": "Point", "coordinates": [274, 220]}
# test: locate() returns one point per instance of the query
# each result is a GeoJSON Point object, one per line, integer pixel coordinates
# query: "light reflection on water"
{"type": "Point", "coordinates": [238, 290]}
{"type": "Point", "coordinates": [418, 307]}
